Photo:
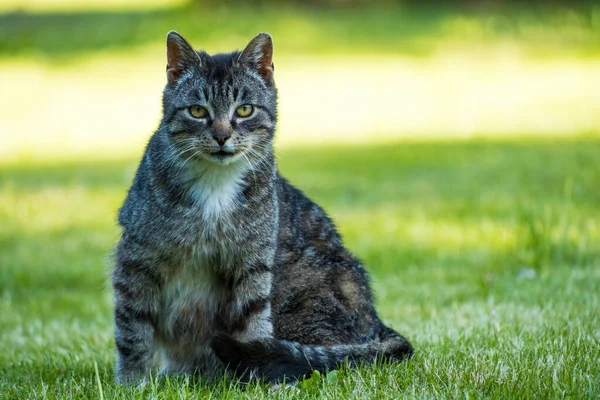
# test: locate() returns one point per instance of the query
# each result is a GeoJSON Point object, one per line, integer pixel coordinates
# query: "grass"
{"type": "Point", "coordinates": [78, 77]}
{"type": "Point", "coordinates": [70, 31]}
{"type": "Point", "coordinates": [485, 253]}
{"type": "Point", "coordinates": [108, 105]}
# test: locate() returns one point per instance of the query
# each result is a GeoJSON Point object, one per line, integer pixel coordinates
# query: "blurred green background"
{"type": "Point", "coordinates": [80, 77]}
{"type": "Point", "coordinates": [456, 144]}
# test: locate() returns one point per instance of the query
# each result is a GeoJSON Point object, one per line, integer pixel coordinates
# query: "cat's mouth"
{"type": "Point", "coordinates": [222, 154]}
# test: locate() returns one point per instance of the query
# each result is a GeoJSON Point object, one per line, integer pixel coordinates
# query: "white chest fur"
{"type": "Point", "coordinates": [216, 188]}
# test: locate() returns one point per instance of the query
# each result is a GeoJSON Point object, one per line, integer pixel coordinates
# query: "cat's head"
{"type": "Point", "coordinates": [220, 109]}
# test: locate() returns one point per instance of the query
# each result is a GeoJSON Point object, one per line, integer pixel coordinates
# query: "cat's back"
{"type": "Point", "coordinates": [303, 222]}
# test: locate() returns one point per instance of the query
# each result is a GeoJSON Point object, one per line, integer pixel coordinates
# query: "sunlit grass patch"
{"type": "Point", "coordinates": [107, 107]}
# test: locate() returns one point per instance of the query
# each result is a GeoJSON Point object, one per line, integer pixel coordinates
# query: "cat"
{"type": "Point", "coordinates": [223, 267]}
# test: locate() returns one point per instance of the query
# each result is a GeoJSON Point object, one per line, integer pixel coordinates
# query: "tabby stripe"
{"type": "Point", "coordinates": [264, 127]}
{"type": "Point", "coordinates": [122, 318]}
{"type": "Point", "coordinates": [123, 289]}
{"type": "Point", "coordinates": [254, 269]}
{"type": "Point", "coordinates": [254, 287]}
{"type": "Point", "coordinates": [270, 114]}
{"type": "Point", "coordinates": [130, 348]}
{"type": "Point", "coordinates": [140, 268]}
{"type": "Point", "coordinates": [125, 314]}
{"type": "Point", "coordinates": [172, 114]}
{"type": "Point", "coordinates": [249, 309]}
{"type": "Point", "coordinates": [254, 307]}
{"type": "Point", "coordinates": [332, 358]}
{"type": "Point", "coordinates": [124, 350]}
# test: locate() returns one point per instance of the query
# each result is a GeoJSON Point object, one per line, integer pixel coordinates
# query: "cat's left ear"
{"type": "Point", "coordinates": [181, 56]}
{"type": "Point", "coordinates": [259, 55]}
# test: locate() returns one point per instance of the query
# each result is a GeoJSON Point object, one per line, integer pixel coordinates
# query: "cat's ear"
{"type": "Point", "coordinates": [181, 56]}
{"type": "Point", "coordinates": [259, 55]}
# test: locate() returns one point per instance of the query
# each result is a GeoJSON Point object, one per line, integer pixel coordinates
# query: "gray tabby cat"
{"type": "Point", "coordinates": [222, 264]}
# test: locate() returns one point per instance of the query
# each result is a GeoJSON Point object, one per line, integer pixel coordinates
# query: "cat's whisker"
{"type": "Point", "coordinates": [261, 160]}
{"type": "Point", "coordinates": [188, 145]}
{"type": "Point", "coordinates": [197, 152]}
{"type": "Point", "coordinates": [250, 166]}
{"type": "Point", "coordinates": [182, 152]}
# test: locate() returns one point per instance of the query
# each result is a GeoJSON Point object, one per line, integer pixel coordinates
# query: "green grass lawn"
{"type": "Point", "coordinates": [486, 254]}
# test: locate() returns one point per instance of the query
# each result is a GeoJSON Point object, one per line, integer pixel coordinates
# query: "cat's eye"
{"type": "Point", "coordinates": [245, 110]}
{"type": "Point", "coordinates": [197, 111]}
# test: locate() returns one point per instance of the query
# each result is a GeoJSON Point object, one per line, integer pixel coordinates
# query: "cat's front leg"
{"type": "Point", "coordinates": [135, 313]}
{"type": "Point", "coordinates": [250, 312]}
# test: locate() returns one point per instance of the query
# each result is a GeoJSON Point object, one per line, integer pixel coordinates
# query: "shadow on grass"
{"type": "Point", "coordinates": [411, 28]}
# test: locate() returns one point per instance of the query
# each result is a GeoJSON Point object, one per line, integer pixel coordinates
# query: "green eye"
{"type": "Point", "coordinates": [197, 111]}
{"type": "Point", "coordinates": [245, 110]}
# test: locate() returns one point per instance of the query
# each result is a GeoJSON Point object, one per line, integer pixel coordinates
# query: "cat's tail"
{"type": "Point", "coordinates": [276, 360]}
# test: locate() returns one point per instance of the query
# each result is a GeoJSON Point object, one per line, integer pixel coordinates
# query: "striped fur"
{"type": "Point", "coordinates": [222, 264]}
{"type": "Point", "coordinates": [276, 360]}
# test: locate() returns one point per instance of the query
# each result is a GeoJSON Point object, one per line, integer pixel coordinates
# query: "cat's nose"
{"type": "Point", "coordinates": [221, 132]}
{"type": "Point", "coordinates": [221, 136]}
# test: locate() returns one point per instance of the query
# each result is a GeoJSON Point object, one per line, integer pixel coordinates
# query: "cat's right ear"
{"type": "Point", "coordinates": [181, 56]}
